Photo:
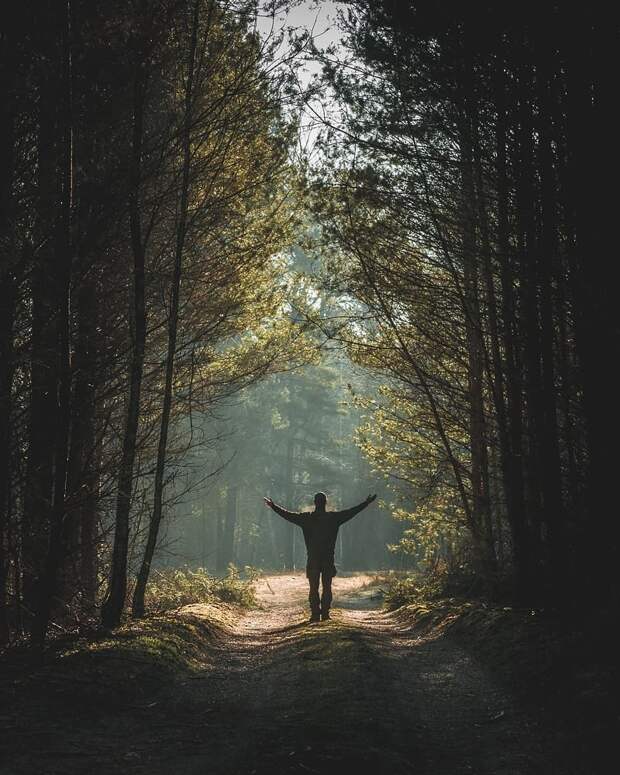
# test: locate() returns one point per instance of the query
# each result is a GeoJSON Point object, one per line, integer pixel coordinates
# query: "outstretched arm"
{"type": "Point", "coordinates": [292, 516]}
{"type": "Point", "coordinates": [347, 514]}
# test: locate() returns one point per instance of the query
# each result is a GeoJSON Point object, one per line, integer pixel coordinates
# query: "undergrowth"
{"type": "Point", "coordinates": [438, 583]}
{"type": "Point", "coordinates": [176, 587]}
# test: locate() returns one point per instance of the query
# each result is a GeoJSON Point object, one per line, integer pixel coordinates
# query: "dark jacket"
{"type": "Point", "coordinates": [320, 532]}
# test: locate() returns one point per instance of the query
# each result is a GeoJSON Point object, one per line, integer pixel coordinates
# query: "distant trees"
{"type": "Point", "coordinates": [146, 189]}
{"type": "Point", "coordinates": [287, 436]}
{"type": "Point", "coordinates": [467, 202]}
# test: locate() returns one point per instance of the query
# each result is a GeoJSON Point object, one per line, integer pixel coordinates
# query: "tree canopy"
{"type": "Point", "coordinates": [193, 315]}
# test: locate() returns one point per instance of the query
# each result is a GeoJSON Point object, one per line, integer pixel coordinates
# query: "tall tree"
{"type": "Point", "coordinates": [113, 605]}
{"type": "Point", "coordinates": [173, 317]}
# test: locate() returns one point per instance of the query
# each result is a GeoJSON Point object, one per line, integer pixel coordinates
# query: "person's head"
{"type": "Point", "coordinates": [320, 501]}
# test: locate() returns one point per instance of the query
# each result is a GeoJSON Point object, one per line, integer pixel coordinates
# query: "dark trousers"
{"type": "Point", "coordinates": [320, 604]}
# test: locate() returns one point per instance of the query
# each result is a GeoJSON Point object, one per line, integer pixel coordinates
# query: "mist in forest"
{"type": "Point", "coordinates": [288, 437]}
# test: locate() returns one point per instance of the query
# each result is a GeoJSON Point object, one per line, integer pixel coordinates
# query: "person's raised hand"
{"type": "Point", "coordinates": [268, 502]}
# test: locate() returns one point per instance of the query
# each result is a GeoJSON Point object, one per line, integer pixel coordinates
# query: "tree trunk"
{"type": "Point", "coordinates": [88, 527]}
{"type": "Point", "coordinates": [551, 479]}
{"type": "Point", "coordinates": [289, 530]}
{"type": "Point", "coordinates": [481, 514]}
{"type": "Point", "coordinates": [227, 555]}
{"type": "Point", "coordinates": [38, 490]}
{"type": "Point", "coordinates": [529, 303]}
{"type": "Point", "coordinates": [511, 446]}
{"type": "Point", "coordinates": [82, 477]}
{"type": "Point", "coordinates": [8, 300]}
{"type": "Point", "coordinates": [149, 551]}
{"type": "Point", "coordinates": [8, 288]}
{"type": "Point", "coordinates": [61, 281]}
{"type": "Point", "coordinates": [114, 603]}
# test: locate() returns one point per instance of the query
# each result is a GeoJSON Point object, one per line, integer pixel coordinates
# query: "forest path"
{"type": "Point", "coordinates": [274, 694]}
{"type": "Point", "coordinates": [358, 693]}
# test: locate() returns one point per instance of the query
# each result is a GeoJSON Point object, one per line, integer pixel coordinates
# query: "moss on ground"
{"type": "Point", "coordinates": [109, 671]}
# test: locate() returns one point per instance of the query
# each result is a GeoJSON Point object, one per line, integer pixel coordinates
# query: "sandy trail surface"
{"type": "Point", "coordinates": [279, 695]}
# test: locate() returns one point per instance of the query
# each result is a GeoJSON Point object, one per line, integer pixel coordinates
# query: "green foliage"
{"type": "Point", "coordinates": [397, 440]}
{"type": "Point", "coordinates": [173, 588]}
{"type": "Point", "coordinates": [403, 590]}
{"type": "Point", "coordinates": [443, 580]}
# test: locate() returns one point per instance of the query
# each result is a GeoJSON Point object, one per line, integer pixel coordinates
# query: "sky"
{"type": "Point", "coordinates": [320, 17]}
{"type": "Point", "coordinates": [308, 14]}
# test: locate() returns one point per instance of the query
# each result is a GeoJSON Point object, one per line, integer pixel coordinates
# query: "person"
{"type": "Point", "coordinates": [320, 529]}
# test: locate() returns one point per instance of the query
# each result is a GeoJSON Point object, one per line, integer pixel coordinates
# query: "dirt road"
{"type": "Point", "coordinates": [353, 693]}
{"type": "Point", "coordinates": [281, 696]}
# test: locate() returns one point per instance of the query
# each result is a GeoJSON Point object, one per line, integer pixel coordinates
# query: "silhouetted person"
{"type": "Point", "coordinates": [320, 529]}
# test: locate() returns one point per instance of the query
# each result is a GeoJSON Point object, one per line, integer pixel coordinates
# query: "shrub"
{"type": "Point", "coordinates": [176, 587]}
{"type": "Point", "coordinates": [402, 590]}
{"type": "Point", "coordinates": [442, 581]}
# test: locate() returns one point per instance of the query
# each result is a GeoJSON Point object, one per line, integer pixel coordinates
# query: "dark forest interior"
{"type": "Point", "coordinates": [267, 249]}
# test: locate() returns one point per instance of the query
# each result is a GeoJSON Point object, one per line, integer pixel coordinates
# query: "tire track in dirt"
{"type": "Point", "coordinates": [279, 696]}
{"type": "Point", "coordinates": [357, 693]}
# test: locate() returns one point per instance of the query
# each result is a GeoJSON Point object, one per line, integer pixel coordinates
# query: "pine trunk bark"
{"type": "Point", "coordinates": [228, 533]}
{"type": "Point", "coordinates": [479, 476]}
{"type": "Point", "coordinates": [173, 319]}
{"type": "Point", "coordinates": [114, 603]}
{"type": "Point", "coordinates": [82, 476]}
{"type": "Point", "coordinates": [8, 301]}
{"type": "Point", "coordinates": [8, 297]}
{"type": "Point", "coordinates": [61, 282]}
{"type": "Point", "coordinates": [42, 421]}
{"type": "Point", "coordinates": [551, 470]}
{"type": "Point", "coordinates": [511, 446]}
{"type": "Point", "coordinates": [529, 303]}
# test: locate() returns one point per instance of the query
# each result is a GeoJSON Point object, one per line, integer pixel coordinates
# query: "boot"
{"type": "Point", "coordinates": [315, 605]}
{"type": "Point", "coordinates": [325, 615]}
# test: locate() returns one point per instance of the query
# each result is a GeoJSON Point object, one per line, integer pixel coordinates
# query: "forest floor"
{"type": "Point", "coordinates": [263, 691]}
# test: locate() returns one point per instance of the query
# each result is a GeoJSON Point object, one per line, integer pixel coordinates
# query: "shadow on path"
{"type": "Point", "coordinates": [279, 696]}
{"type": "Point", "coordinates": [353, 694]}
